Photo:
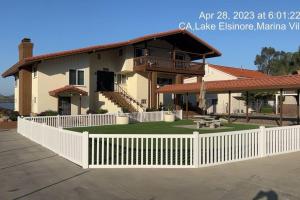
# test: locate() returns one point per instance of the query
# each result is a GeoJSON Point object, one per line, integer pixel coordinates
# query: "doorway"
{"type": "Point", "coordinates": [64, 105]}
{"type": "Point", "coordinates": [105, 81]}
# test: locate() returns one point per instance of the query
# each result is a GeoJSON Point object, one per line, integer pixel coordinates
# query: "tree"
{"type": "Point", "coordinates": [274, 62]}
{"type": "Point", "coordinates": [265, 61]}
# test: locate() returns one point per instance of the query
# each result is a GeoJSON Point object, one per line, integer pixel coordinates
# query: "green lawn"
{"type": "Point", "coordinates": [158, 128]}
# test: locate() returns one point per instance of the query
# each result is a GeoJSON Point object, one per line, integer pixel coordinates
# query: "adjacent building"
{"type": "Point", "coordinates": [218, 102]}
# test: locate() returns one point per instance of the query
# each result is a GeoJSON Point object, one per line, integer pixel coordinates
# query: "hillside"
{"type": "Point", "coordinates": [6, 99]}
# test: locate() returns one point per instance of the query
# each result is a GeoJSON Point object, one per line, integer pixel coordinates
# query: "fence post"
{"type": "Point", "coordinates": [43, 135]}
{"type": "Point", "coordinates": [162, 115]}
{"type": "Point", "coordinates": [18, 124]}
{"type": "Point", "coordinates": [60, 142]}
{"type": "Point", "coordinates": [262, 141]}
{"type": "Point", "coordinates": [31, 130]}
{"type": "Point", "coordinates": [196, 149]}
{"type": "Point", "coordinates": [142, 117]}
{"type": "Point", "coordinates": [181, 114]}
{"type": "Point", "coordinates": [58, 121]}
{"type": "Point", "coordinates": [90, 119]}
{"type": "Point", "coordinates": [85, 150]}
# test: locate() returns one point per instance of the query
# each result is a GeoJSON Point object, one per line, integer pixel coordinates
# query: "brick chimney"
{"type": "Point", "coordinates": [25, 49]}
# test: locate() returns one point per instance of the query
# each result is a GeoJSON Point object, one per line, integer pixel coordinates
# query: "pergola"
{"type": "Point", "coordinates": [268, 83]}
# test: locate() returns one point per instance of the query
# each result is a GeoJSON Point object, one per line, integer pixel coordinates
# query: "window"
{"type": "Point", "coordinates": [80, 78]}
{"type": "Point", "coordinates": [143, 101]}
{"type": "Point", "coordinates": [34, 72]}
{"type": "Point", "coordinates": [120, 52]}
{"type": "Point", "coordinates": [76, 77]}
{"type": "Point", "coordinates": [138, 52]}
{"type": "Point", "coordinates": [179, 57]}
{"type": "Point", "coordinates": [179, 60]}
{"type": "Point", "coordinates": [120, 78]}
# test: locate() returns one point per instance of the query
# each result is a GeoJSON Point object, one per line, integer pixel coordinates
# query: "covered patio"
{"type": "Point", "coordinates": [271, 83]}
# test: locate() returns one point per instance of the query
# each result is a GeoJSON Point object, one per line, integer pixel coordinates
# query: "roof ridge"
{"type": "Point", "coordinates": [217, 65]}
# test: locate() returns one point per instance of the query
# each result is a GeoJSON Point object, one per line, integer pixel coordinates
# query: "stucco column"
{"type": "Point", "coordinates": [153, 90]}
{"type": "Point", "coordinates": [178, 80]}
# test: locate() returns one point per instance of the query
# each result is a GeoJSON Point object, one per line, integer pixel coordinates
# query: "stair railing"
{"type": "Point", "coordinates": [135, 103]}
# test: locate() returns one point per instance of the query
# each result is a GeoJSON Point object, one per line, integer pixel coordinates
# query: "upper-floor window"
{"type": "Point", "coordinates": [120, 78]}
{"type": "Point", "coordinates": [34, 72]}
{"type": "Point", "coordinates": [76, 77]}
{"type": "Point", "coordinates": [138, 52]}
{"type": "Point", "coordinates": [179, 57]}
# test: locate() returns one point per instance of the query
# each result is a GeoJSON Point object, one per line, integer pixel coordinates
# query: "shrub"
{"type": "Point", "coordinates": [99, 111]}
{"type": "Point", "coordinates": [125, 110]}
{"type": "Point", "coordinates": [151, 109]}
{"type": "Point", "coordinates": [13, 116]}
{"type": "Point", "coordinates": [48, 113]}
{"type": "Point", "coordinates": [266, 109]}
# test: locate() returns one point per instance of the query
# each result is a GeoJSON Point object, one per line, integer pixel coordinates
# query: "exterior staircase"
{"type": "Point", "coordinates": [118, 99]}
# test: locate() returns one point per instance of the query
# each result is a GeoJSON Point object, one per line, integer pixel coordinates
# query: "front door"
{"type": "Point", "coordinates": [105, 81]}
{"type": "Point", "coordinates": [64, 105]}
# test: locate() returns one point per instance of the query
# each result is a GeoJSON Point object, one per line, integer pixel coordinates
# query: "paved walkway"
{"type": "Point", "coordinates": [29, 171]}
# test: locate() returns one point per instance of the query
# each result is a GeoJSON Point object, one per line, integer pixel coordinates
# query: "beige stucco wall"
{"type": "Point", "coordinates": [212, 74]}
{"type": "Point", "coordinates": [53, 74]}
{"type": "Point", "coordinates": [104, 103]}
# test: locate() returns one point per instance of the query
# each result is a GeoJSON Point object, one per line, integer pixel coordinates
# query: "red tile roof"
{"type": "Point", "coordinates": [238, 85]}
{"type": "Point", "coordinates": [67, 89]}
{"type": "Point", "coordinates": [238, 72]}
{"type": "Point", "coordinates": [29, 61]}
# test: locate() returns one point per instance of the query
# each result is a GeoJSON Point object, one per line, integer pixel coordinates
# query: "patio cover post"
{"type": "Point", "coordinates": [247, 106]}
{"type": "Point", "coordinates": [187, 105]}
{"type": "Point", "coordinates": [298, 117]}
{"type": "Point", "coordinates": [281, 107]}
{"type": "Point", "coordinates": [229, 105]}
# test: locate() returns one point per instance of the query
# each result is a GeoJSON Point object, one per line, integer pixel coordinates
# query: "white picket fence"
{"type": "Point", "coordinates": [161, 150]}
{"type": "Point", "coordinates": [70, 121]}
{"type": "Point", "coordinates": [68, 144]}
{"type": "Point", "coordinates": [132, 150]}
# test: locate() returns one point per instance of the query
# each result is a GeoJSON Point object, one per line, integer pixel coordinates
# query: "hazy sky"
{"type": "Point", "coordinates": [60, 25]}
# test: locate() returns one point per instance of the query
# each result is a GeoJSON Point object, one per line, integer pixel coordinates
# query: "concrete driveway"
{"type": "Point", "coordinates": [29, 171]}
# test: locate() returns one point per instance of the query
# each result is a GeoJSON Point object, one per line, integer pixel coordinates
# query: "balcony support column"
{"type": "Point", "coordinates": [153, 90]}
{"type": "Point", "coordinates": [178, 80]}
{"type": "Point", "coordinates": [149, 89]}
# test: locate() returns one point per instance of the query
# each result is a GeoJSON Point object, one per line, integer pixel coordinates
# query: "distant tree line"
{"type": "Point", "coordinates": [273, 62]}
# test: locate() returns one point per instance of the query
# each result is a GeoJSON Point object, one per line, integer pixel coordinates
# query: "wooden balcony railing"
{"type": "Point", "coordinates": [160, 63]}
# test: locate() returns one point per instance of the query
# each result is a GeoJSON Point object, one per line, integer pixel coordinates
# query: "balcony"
{"type": "Point", "coordinates": [165, 65]}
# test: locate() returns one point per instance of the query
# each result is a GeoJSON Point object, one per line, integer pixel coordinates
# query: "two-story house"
{"type": "Point", "coordinates": [111, 76]}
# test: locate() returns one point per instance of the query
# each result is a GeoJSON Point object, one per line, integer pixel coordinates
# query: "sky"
{"type": "Point", "coordinates": [64, 24]}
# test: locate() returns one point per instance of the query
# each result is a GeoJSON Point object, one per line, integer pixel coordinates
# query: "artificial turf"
{"type": "Point", "coordinates": [158, 128]}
